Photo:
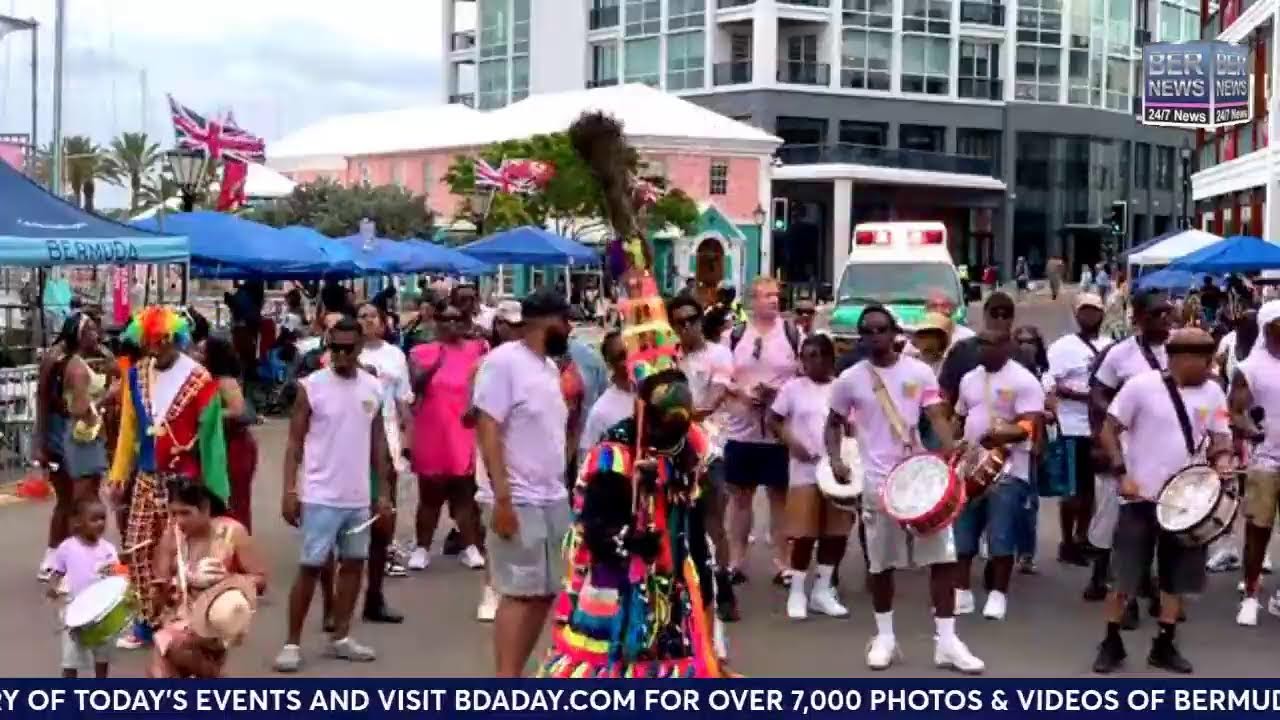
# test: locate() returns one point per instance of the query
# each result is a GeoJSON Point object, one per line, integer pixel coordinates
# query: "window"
{"type": "Point", "coordinates": [927, 16]}
{"type": "Point", "coordinates": [1142, 166]}
{"type": "Point", "coordinates": [685, 65]}
{"type": "Point", "coordinates": [1118, 93]}
{"type": "Point", "coordinates": [980, 144]}
{"type": "Point", "coordinates": [519, 78]}
{"type": "Point", "coordinates": [491, 84]}
{"type": "Point", "coordinates": [926, 64]}
{"type": "Point", "coordinates": [719, 177]}
{"type": "Point", "coordinates": [1037, 70]}
{"type": "Point", "coordinates": [1040, 22]}
{"type": "Point", "coordinates": [865, 56]}
{"type": "Point", "coordinates": [1086, 61]}
{"type": "Point", "coordinates": [643, 17]}
{"type": "Point", "coordinates": [868, 14]}
{"type": "Point", "coordinates": [640, 61]}
{"type": "Point", "coordinates": [604, 64]}
{"type": "Point", "coordinates": [493, 28]}
{"type": "Point", "coordinates": [683, 14]}
{"type": "Point", "coordinates": [801, 130]}
{"type": "Point", "coordinates": [520, 27]}
{"type": "Point", "coordinates": [1164, 168]}
{"type": "Point", "coordinates": [426, 177]}
{"type": "Point", "coordinates": [507, 280]}
{"type": "Point", "coordinates": [979, 70]}
{"type": "Point", "coordinates": [362, 170]}
{"type": "Point", "coordinates": [922, 137]}
{"type": "Point", "coordinates": [857, 132]}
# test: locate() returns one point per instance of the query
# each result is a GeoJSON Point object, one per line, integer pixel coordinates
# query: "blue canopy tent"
{"type": "Point", "coordinates": [39, 229]}
{"type": "Point", "coordinates": [394, 257]}
{"type": "Point", "coordinates": [1175, 282]}
{"type": "Point", "coordinates": [230, 247]}
{"type": "Point", "coordinates": [454, 262]}
{"type": "Point", "coordinates": [529, 245]}
{"type": "Point", "coordinates": [1236, 254]}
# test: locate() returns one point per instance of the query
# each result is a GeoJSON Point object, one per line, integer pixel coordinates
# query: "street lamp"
{"type": "Point", "coordinates": [188, 169]}
{"type": "Point", "coordinates": [759, 216]}
{"type": "Point", "coordinates": [480, 201]}
{"type": "Point", "coordinates": [1185, 155]}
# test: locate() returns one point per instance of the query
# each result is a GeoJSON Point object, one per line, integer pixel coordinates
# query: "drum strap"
{"type": "Point", "coordinates": [1149, 355]}
{"type": "Point", "coordinates": [896, 423]}
{"type": "Point", "coordinates": [1180, 408]}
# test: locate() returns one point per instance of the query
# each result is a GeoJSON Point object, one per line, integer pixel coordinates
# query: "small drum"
{"type": "Point", "coordinates": [846, 496]}
{"type": "Point", "coordinates": [100, 612]}
{"type": "Point", "coordinates": [979, 468]}
{"type": "Point", "coordinates": [923, 494]}
{"type": "Point", "coordinates": [1196, 506]}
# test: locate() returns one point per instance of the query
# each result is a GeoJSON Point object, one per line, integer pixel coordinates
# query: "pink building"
{"type": "Point", "coordinates": [723, 164]}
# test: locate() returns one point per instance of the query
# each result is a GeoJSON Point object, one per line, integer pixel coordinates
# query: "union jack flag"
{"type": "Point", "coordinates": [216, 139]}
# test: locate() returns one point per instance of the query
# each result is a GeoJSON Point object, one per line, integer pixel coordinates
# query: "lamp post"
{"type": "Point", "coordinates": [480, 201]}
{"type": "Point", "coordinates": [1184, 154]}
{"type": "Point", "coordinates": [759, 216]}
{"type": "Point", "coordinates": [188, 170]}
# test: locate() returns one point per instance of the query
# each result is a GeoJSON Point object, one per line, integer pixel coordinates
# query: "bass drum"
{"type": "Point", "coordinates": [846, 496]}
{"type": "Point", "coordinates": [923, 494]}
{"type": "Point", "coordinates": [1197, 506]}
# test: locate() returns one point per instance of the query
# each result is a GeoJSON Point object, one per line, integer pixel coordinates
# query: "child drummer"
{"type": "Point", "coordinates": [78, 562]}
{"type": "Point", "coordinates": [1145, 411]}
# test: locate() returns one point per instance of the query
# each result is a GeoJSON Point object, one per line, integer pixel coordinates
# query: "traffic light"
{"type": "Point", "coordinates": [781, 215]}
{"type": "Point", "coordinates": [1118, 219]}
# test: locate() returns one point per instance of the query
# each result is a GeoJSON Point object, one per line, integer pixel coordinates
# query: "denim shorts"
{"type": "Point", "coordinates": [325, 529]}
{"type": "Point", "coordinates": [997, 512]}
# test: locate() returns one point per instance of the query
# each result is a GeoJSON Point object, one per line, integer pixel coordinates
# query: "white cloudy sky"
{"type": "Point", "coordinates": [278, 63]}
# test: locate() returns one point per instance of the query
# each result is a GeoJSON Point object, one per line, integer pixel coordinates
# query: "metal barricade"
{"type": "Point", "coordinates": [17, 419]}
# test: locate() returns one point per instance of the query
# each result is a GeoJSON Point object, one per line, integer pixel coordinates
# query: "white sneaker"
{"type": "Point", "coordinates": [721, 646]}
{"type": "Point", "coordinates": [823, 599]}
{"type": "Point", "coordinates": [419, 559]}
{"type": "Point", "coordinates": [964, 602]}
{"type": "Point", "coordinates": [1266, 563]}
{"type": "Point", "coordinates": [1248, 615]}
{"type": "Point", "coordinates": [882, 650]}
{"type": "Point", "coordinates": [997, 605]}
{"type": "Point", "coordinates": [470, 557]}
{"type": "Point", "coordinates": [1273, 605]}
{"type": "Point", "coordinates": [46, 566]}
{"type": "Point", "coordinates": [953, 653]}
{"type": "Point", "coordinates": [797, 601]}
{"type": "Point", "coordinates": [488, 607]}
{"type": "Point", "coordinates": [1224, 560]}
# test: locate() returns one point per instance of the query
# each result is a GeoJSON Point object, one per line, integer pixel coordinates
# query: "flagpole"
{"type": "Point", "coordinates": [59, 32]}
{"type": "Point", "coordinates": [35, 93]}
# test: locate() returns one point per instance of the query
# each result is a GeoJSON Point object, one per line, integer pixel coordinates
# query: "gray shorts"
{"type": "Point", "coordinates": [78, 657]}
{"type": "Point", "coordinates": [532, 563]}
{"type": "Point", "coordinates": [1139, 540]}
{"type": "Point", "coordinates": [890, 546]}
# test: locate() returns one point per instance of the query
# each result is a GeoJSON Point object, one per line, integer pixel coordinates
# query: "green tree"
{"type": "Point", "coordinates": [84, 165]}
{"type": "Point", "coordinates": [336, 210]}
{"type": "Point", "coordinates": [131, 158]}
{"type": "Point", "coordinates": [571, 204]}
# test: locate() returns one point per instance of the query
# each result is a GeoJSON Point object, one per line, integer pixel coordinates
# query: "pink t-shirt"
{"type": "Point", "coordinates": [442, 446]}
{"type": "Point", "coordinates": [758, 359]}
{"type": "Point", "coordinates": [1003, 395]}
{"type": "Point", "coordinates": [911, 386]}
{"type": "Point", "coordinates": [81, 564]}
{"type": "Point", "coordinates": [1262, 371]}
{"type": "Point", "coordinates": [338, 447]}
{"type": "Point", "coordinates": [804, 404]}
{"type": "Point", "coordinates": [1155, 449]}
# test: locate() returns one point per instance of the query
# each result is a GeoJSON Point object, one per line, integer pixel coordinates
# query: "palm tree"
{"type": "Point", "coordinates": [131, 158]}
{"type": "Point", "coordinates": [156, 190]}
{"type": "Point", "coordinates": [83, 161]}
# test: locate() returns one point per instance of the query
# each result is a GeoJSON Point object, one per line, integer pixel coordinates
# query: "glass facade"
{"type": "Point", "coordinates": [641, 61]}
{"type": "Point", "coordinates": [866, 47]}
{"type": "Point", "coordinates": [502, 74]}
{"type": "Point", "coordinates": [686, 67]}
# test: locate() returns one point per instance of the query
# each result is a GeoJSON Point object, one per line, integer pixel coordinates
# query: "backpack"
{"type": "Point", "coordinates": [793, 336]}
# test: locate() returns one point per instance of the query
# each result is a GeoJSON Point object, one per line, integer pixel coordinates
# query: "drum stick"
{"type": "Point", "coordinates": [182, 564]}
{"type": "Point", "coordinates": [138, 547]}
{"type": "Point", "coordinates": [366, 524]}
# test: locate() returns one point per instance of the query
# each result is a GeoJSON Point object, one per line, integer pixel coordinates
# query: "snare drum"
{"type": "Point", "coordinates": [846, 496]}
{"type": "Point", "coordinates": [1196, 506]}
{"type": "Point", "coordinates": [979, 468]}
{"type": "Point", "coordinates": [100, 612]}
{"type": "Point", "coordinates": [923, 494]}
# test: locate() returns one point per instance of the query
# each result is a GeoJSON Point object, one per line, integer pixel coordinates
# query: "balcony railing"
{"type": "Point", "coordinates": [1141, 36]}
{"type": "Point", "coordinates": [885, 157]}
{"type": "Point", "coordinates": [722, 4]}
{"type": "Point", "coordinates": [464, 40]}
{"type": "Point", "coordinates": [731, 73]}
{"type": "Point", "coordinates": [804, 73]}
{"type": "Point", "coordinates": [602, 82]}
{"type": "Point", "coordinates": [806, 3]}
{"type": "Point", "coordinates": [604, 17]}
{"type": "Point", "coordinates": [982, 13]}
{"type": "Point", "coordinates": [980, 89]}
{"type": "Point", "coordinates": [468, 99]}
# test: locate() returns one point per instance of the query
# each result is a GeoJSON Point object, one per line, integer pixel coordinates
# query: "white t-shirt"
{"type": "Point", "coordinates": [393, 375]}
{"type": "Point", "coordinates": [1003, 395]}
{"type": "Point", "coordinates": [612, 407]}
{"type": "Point", "coordinates": [961, 332]}
{"type": "Point", "coordinates": [485, 316]}
{"type": "Point", "coordinates": [1155, 449]}
{"type": "Point", "coordinates": [707, 368]}
{"type": "Point", "coordinates": [1227, 351]}
{"type": "Point", "coordinates": [1262, 371]}
{"type": "Point", "coordinates": [911, 386]}
{"type": "Point", "coordinates": [1126, 360]}
{"type": "Point", "coordinates": [1070, 362]}
{"type": "Point", "coordinates": [804, 404]}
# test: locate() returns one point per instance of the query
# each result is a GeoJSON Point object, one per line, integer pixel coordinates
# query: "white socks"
{"type": "Point", "coordinates": [945, 627]}
{"type": "Point", "coordinates": [823, 576]}
{"type": "Point", "coordinates": [884, 624]}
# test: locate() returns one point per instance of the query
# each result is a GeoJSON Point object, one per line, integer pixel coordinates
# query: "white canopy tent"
{"type": "Point", "coordinates": [1174, 247]}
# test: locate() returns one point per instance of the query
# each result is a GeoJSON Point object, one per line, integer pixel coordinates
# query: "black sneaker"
{"type": "Point", "coordinates": [1095, 592]}
{"type": "Point", "coordinates": [380, 613]}
{"type": "Point", "coordinates": [737, 577]}
{"type": "Point", "coordinates": [726, 602]}
{"type": "Point", "coordinates": [453, 542]}
{"type": "Point", "coordinates": [1131, 619]}
{"type": "Point", "coordinates": [1165, 656]}
{"type": "Point", "coordinates": [1072, 554]}
{"type": "Point", "coordinates": [1111, 655]}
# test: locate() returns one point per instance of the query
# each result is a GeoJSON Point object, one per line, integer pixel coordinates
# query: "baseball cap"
{"type": "Point", "coordinates": [1268, 313]}
{"type": "Point", "coordinates": [934, 321]}
{"type": "Point", "coordinates": [1089, 300]}
{"type": "Point", "coordinates": [508, 311]}
{"type": "Point", "coordinates": [543, 303]}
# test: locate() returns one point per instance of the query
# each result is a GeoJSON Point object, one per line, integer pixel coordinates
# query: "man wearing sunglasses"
{"type": "Point", "coordinates": [997, 314]}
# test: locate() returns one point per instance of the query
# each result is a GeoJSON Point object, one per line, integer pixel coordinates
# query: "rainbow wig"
{"type": "Point", "coordinates": [156, 324]}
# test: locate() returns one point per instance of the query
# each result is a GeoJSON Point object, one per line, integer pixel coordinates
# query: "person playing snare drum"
{"type": "Point", "coordinates": [81, 560]}
{"type": "Point", "coordinates": [1145, 410]}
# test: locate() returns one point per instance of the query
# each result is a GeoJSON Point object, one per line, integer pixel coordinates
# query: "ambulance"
{"type": "Point", "coordinates": [901, 265]}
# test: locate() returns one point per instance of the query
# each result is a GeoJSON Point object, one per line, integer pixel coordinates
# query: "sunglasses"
{"type": "Point", "coordinates": [758, 348]}
{"type": "Point", "coordinates": [344, 348]}
{"type": "Point", "coordinates": [805, 313]}
{"type": "Point", "coordinates": [1001, 313]}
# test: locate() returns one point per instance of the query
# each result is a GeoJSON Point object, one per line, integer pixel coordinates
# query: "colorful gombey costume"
{"type": "Point", "coordinates": [637, 596]}
{"type": "Point", "coordinates": [170, 424]}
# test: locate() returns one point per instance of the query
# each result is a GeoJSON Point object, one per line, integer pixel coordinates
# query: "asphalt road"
{"type": "Point", "coordinates": [1049, 632]}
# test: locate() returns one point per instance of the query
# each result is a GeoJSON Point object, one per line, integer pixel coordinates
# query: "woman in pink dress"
{"type": "Point", "coordinates": [443, 451]}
